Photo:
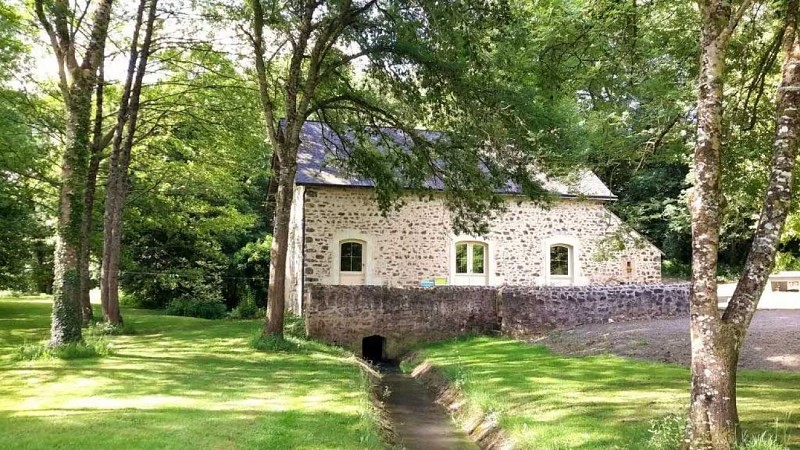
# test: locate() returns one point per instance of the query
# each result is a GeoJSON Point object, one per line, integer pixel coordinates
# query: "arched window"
{"type": "Point", "coordinates": [471, 263]}
{"type": "Point", "coordinates": [352, 255]}
{"type": "Point", "coordinates": [560, 260]}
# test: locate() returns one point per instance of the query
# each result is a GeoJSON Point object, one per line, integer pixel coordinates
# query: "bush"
{"type": "Point", "coordinates": [203, 307]}
{"type": "Point", "coordinates": [93, 347]}
{"type": "Point", "coordinates": [787, 261]}
{"type": "Point", "coordinates": [667, 433]}
{"type": "Point", "coordinates": [671, 268]}
{"type": "Point", "coordinates": [103, 328]}
{"type": "Point", "coordinates": [762, 441]}
{"type": "Point", "coordinates": [294, 326]}
{"type": "Point", "coordinates": [247, 309]}
{"type": "Point", "coordinates": [273, 343]}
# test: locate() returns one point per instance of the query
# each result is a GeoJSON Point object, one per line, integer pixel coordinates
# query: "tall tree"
{"type": "Point", "coordinates": [420, 63]}
{"type": "Point", "coordinates": [77, 80]}
{"type": "Point", "coordinates": [117, 186]}
{"type": "Point", "coordinates": [717, 338]}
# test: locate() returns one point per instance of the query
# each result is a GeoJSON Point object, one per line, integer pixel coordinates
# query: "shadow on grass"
{"type": "Point", "coordinates": [179, 383]}
{"type": "Point", "coordinates": [183, 428]}
{"type": "Point", "coordinates": [558, 401]}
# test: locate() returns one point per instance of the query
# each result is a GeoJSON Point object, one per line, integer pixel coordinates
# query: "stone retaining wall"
{"type": "Point", "coordinates": [345, 315]}
{"type": "Point", "coordinates": [527, 311]}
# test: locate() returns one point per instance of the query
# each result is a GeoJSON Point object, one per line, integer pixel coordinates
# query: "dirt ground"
{"type": "Point", "coordinates": [772, 343]}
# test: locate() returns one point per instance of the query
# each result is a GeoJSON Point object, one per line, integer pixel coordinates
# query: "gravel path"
{"type": "Point", "coordinates": [773, 341]}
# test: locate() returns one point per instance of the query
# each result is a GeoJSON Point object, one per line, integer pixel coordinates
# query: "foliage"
{"type": "Point", "coordinates": [668, 432]}
{"type": "Point", "coordinates": [593, 402]}
{"type": "Point", "coordinates": [103, 328]}
{"type": "Point", "coordinates": [787, 261]}
{"type": "Point", "coordinates": [23, 167]}
{"type": "Point", "coordinates": [202, 385]}
{"type": "Point", "coordinates": [247, 309]}
{"type": "Point", "coordinates": [94, 347]}
{"type": "Point", "coordinates": [763, 441]}
{"type": "Point", "coordinates": [202, 305]}
{"type": "Point", "coordinates": [271, 343]}
{"type": "Point", "coordinates": [195, 226]}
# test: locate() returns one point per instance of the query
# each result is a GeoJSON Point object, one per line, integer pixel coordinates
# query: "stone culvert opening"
{"type": "Point", "coordinates": [373, 348]}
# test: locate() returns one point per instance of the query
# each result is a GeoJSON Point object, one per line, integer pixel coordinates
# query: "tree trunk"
{"type": "Point", "coordinates": [276, 300]}
{"type": "Point", "coordinates": [77, 82]}
{"type": "Point", "coordinates": [713, 416]}
{"type": "Point", "coordinates": [716, 341]}
{"type": "Point", "coordinates": [67, 316]}
{"type": "Point", "coordinates": [713, 410]}
{"type": "Point", "coordinates": [117, 189]}
{"type": "Point", "coordinates": [88, 203]}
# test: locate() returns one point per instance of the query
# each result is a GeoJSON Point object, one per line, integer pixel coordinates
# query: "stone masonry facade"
{"type": "Point", "coordinates": [345, 315]}
{"type": "Point", "coordinates": [527, 311]}
{"type": "Point", "coordinates": [416, 243]}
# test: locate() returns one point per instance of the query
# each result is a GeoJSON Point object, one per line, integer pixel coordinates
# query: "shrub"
{"type": "Point", "coordinates": [667, 433]}
{"type": "Point", "coordinates": [93, 347]}
{"type": "Point", "coordinates": [671, 268]}
{"type": "Point", "coordinates": [205, 307]}
{"type": "Point", "coordinates": [247, 309]}
{"type": "Point", "coordinates": [762, 441]}
{"type": "Point", "coordinates": [273, 343]}
{"type": "Point", "coordinates": [294, 326]}
{"type": "Point", "coordinates": [103, 328]}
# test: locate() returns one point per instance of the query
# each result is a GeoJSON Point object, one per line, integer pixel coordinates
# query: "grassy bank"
{"type": "Point", "coordinates": [549, 401]}
{"type": "Point", "coordinates": [177, 383]}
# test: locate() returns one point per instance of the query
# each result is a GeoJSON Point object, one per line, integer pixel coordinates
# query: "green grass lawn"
{"type": "Point", "coordinates": [178, 383]}
{"type": "Point", "coordinates": [548, 401]}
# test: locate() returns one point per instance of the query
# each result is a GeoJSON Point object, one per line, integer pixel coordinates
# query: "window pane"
{"type": "Point", "coordinates": [477, 258]}
{"type": "Point", "coordinates": [559, 260]}
{"type": "Point", "coordinates": [350, 259]}
{"type": "Point", "coordinates": [461, 258]}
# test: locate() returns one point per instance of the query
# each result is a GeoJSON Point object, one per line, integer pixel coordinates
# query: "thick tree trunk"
{"type": "Point", "coordinates": [276, 300]}
{"type": "Point", "coordinates": [77, 82]}
{"type": "Point", "coordinates": [713, 415]}
{"type": "Point", "coordinates": [713, 410]}
{"type": "Point", "coordinates": [117, 189]}
{"type": "Point", "coordinates": [67, 316]}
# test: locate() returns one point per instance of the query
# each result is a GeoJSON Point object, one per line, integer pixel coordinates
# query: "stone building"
{"type": "Point", "coordinates": [339, 236]}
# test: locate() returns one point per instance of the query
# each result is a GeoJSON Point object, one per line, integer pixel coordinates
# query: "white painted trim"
{"type": "Point", "coordinates": [576, 278]}
{"type": "Point", "coordinates": [490, 257]}
{"type": "Point", "coordinates": [368, 260]}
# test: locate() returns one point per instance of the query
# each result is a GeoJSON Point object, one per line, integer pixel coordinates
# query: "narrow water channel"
{"type": "Point", "coordinates": [419, 423]}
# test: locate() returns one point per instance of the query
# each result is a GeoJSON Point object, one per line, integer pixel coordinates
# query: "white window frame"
{"type": "Point", "coordinates": [368, 256]}
{"type": "Point", "coordinates": [363, 245]}
{"type": "Point", "coordinates": [488, 262]}
{"type": "Point", "coordinates": [575, 277]}
{"type": "Point", "coordinates": [570, 262]}
{"type": "Point", "coordinates": [471, 257]}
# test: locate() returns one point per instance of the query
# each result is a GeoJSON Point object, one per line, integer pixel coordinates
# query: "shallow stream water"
{"type": "Point", "coordinates": [418, 422]}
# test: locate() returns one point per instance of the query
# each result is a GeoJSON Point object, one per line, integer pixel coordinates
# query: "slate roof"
{"type": "Point", "coordinates": [320, 148]}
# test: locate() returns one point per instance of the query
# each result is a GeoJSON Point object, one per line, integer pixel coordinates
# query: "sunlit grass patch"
{"type": "Point", "coordinates": [178, 383]}
{"type": "Point", "coordinates": [545, 400]}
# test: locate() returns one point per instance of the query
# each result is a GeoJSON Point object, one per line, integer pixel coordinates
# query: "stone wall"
{"type": "Point", "coordinates": [527, 311]}
{"type": "Point", "coordinates": [416, 243]}
{"type": "Point", "coordinates": [344, 315]}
